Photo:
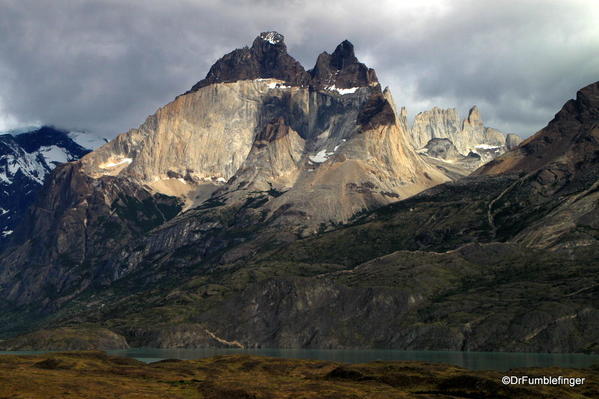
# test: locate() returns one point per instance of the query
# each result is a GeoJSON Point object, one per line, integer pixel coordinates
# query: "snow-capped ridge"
{"type": "Point", "coordinates": [27, 157]}
{"type": "Point", "coordinates": [20, 130]}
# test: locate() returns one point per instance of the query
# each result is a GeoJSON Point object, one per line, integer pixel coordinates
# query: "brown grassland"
{"type": "Point", "coordinates": [94, 374]}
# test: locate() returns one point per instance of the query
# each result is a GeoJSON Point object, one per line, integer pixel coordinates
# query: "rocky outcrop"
{"type": "Point", "coordinates": [475, 135]}
{"type": "Point", "coordinates": [441, 153]}
{"type": "Point", "coordinates": [512, 141]}
{"type": "Point", "coordinates": [403, 118]}
{"type": "Point", "coordinates": [442, 149]}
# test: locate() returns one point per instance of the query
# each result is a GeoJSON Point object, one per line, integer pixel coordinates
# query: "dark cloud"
{"type": "Point", "coordinates": [106, 65]}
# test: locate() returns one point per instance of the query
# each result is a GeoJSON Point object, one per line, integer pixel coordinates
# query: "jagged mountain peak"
{"type": "Point", "coordinates": [474, 115]}
{"type": "Point", "coordinates": [267, 58]}
{"type": "Point", "coordinates": [435, 111]}
{"type": "Point", "coordinates": [341, 69]}
{"type": "Point", "coordinates": [271, 37]}
{"type": "Point", "coordinates": [272, 42]}
{"type": "Point", "coordinates": [343, 55]}
{"type": "Point", "coordinates": [303, 116]}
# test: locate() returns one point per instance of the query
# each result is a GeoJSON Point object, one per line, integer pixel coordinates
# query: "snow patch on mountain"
{"type": "Point", "coordinates": [351, 90]}
{"type": "Point", "coordinates": [55, 155]}
{"type": "Point", "coordinates": [116, 163]}
{"type": "Point", "coordinates": [322, 155]}
{"type": "Point", "coordinates": [277, 85]}
{"type": "Point", "coordinates": [487, 147]}
{"type": "Point", "coordinates": [271, 37]}
{"type": "Point", "coordinates": [27, 164]}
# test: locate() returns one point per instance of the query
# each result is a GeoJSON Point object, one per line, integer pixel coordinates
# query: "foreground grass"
{"type": "Point", "coordinates": [98, 375]}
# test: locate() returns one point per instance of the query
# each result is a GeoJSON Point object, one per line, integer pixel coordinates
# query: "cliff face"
{"type": "Point", "coordinates": [344, 149]}
{"type": "Point", "coordinates": [436, 123]}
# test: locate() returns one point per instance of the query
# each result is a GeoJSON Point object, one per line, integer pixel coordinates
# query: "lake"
{"type": "Point", "coordinates": [472, 360]}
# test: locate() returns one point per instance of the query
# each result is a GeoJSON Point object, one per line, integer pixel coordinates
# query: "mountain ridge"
{"type": "Point", "coordinates": [318, 227]}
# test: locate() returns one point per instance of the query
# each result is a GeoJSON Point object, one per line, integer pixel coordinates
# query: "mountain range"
{"type": "Point", "coordinates": [273, 206]}
{"type": "Point", "coordinates": [26, 159]}
{"type": "Point", "coordinates": [456, 147]}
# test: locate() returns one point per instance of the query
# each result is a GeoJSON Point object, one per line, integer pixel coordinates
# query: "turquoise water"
{"type": "Point", "coordinates": [472, 360]}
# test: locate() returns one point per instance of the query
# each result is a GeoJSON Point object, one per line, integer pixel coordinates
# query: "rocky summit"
{"type": "Point", "coordinates": [341, 70]}
{"type": "Point", "coordinates": [271, 206]}
{"type": "Point", "coordinates": [266, 58]}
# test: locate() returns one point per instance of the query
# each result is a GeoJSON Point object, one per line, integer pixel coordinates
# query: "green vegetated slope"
{"type": "Point", "coordinates": [425, 273]}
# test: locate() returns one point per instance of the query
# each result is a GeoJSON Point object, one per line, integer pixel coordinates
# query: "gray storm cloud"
{"type": "Point", "coordinates": [105, 65]}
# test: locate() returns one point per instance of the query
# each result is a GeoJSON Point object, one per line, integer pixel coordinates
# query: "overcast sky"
{"type": "Point", "coordinates": [106, 65]}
